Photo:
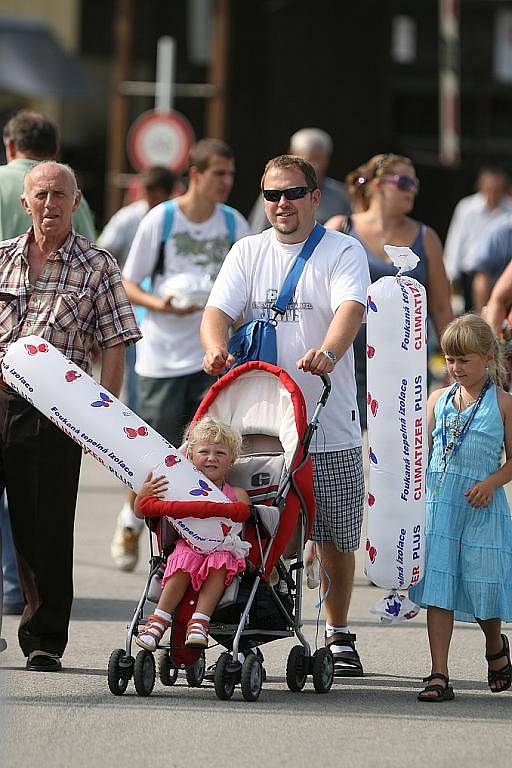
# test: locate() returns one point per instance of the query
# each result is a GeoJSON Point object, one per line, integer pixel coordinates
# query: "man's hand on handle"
{"type": "Point", "coordinates": [316, 362]}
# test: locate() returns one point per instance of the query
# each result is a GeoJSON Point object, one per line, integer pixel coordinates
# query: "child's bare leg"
{"type": "Point", "coordinates": [211, 591]}
{"type": "Point", "coordinates": [156, 626]}
{"type": "Point", "coordinates": [173, 592]}
{"type": "Point", "coordinates": [440, 628]}
{"type": "Point", "coordinates": [493, 645]}
{"type": "Point", "coordinates": [209, 595]}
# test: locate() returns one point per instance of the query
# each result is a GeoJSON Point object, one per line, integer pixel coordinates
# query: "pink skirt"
{"type": "Point", "coordinates": [198, 565]}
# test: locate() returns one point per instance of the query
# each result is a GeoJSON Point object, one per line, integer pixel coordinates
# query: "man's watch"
{"type": "Point", "coordinates": [332, 357]}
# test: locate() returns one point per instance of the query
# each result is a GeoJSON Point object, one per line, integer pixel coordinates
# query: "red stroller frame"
{"type": "Point", "coordinates": [267, 407]}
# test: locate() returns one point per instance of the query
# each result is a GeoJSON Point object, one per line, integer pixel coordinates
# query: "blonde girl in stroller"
{"type": "Point", "coordinates": [212, 447]}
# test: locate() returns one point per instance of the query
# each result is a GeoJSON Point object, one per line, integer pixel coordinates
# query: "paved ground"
{"type": "Point", "coordinates": [71, 719]}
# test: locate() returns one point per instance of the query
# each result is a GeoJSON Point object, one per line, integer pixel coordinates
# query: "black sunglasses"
{"type": "Point", "coordinates": [292, 193]}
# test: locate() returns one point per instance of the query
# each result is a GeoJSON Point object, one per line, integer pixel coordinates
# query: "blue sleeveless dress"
{"type": "Point", "coordinates": [379, 268]}
{"type": "Point", "coordinates": [468, 551]}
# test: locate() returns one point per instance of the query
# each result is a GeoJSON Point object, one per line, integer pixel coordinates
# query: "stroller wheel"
{"type": "Point", "coordinates": [144, 673]}
{"type": "Point", "coordinates": [323, 670]}
{"type": "Point", "coordinates": [296, 669]}
{"type": "Point", "coordinates": [118, 673]}
{"type": "Point", "coordinates": [195, 673]}
{"type": "Point", "coordinates": [167, 669]}
{"type": "Point", "coordinates": [224, 683]}
{"type": "Point", "coordinates": [252, 678]}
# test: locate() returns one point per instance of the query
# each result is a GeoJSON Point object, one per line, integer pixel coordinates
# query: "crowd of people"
{"type": "Point", "coordinates": [81, 293]}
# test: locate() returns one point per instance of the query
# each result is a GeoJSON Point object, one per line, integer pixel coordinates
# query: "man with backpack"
{"type": "Point", "coordinates": [187, 236]}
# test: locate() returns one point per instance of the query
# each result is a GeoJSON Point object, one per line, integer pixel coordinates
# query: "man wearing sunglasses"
{"type": "Point", "coordinates": [314, 336]}
{"type": "Point", "coordinates": [315, 146]}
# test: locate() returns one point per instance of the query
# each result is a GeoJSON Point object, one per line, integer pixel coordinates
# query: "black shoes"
{"type": "Point", "coordinates": [42, 661]}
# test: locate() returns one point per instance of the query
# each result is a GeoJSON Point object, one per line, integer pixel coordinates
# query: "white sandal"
{"type": "Point", "coordinates": [197, 633]}
{"type": "Point", "coordinates": [151, 634]}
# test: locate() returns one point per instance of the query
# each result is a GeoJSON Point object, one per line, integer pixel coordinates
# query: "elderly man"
{"type": "Point", "coordinates": [315, 146]}
{"type": "Point", "coordinates": [56, 284]}
{"type": "Point", "coordinates": [314, 336]}
{"type": "Point", "coordinates": [29, 138]}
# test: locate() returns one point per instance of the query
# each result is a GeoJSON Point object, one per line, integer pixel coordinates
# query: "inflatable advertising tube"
{"type": "Point", "coordinates": [397, 431]}
{"type": "Point", "coordinates": [116, 437]}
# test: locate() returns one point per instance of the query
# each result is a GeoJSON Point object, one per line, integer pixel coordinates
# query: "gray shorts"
{"type": "Point", "coordinates": [169, 404]}
{"type": "Point", "coordinates": [338, 481]}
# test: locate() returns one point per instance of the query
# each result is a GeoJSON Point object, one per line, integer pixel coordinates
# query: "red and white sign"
{"type": "Point", "coordinates": [160, 138]}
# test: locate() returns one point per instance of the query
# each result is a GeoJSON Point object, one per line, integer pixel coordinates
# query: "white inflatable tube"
{"type": "Point", "coordinates": [397, 431]}
{"type": "Point", "coordinates": [105, 427]}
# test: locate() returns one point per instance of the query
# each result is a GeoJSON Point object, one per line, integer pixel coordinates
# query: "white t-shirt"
{"type": "Point", "coordinates": [249, 282]}
{"type": "Point", "coordinates": [170, 344]}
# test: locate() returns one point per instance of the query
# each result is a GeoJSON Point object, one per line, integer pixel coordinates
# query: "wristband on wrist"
{"type": "Point", "coordinates": [332, 357]}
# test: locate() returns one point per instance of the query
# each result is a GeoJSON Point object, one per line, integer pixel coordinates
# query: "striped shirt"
{"type": "Point", "coordinates": [77, 300]}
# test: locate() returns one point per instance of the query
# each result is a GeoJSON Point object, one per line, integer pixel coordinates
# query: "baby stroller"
{"type": "Point", "coordinates": [263, 604]}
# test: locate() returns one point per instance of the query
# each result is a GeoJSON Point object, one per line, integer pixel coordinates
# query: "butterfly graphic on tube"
{"type": "Point", "coordinates": [132, 433]}
{"type": "Point", "coordinates": [373, 404]}
{"type": "Point", "coordinates": [33, 350]}
{"type": "Point", "coordinates": [171, 460]}
{"type": "Point", "coordinates": [203, 490]}
{"type": "Point", "coordinates": [104, 401]}
{"type": "Point", "coordinates": [370, 304]}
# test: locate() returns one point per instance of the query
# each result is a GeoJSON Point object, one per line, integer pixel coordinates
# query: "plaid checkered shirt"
{"type": "Point", "coordinates": [77, 300]}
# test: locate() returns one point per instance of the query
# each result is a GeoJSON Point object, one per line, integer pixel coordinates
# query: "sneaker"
{"type": "Point", "coordinates": [125, 547]}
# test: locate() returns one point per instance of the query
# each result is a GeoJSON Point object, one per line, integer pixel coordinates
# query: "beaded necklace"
{"type": "Point", "coordinates": [459, 430]}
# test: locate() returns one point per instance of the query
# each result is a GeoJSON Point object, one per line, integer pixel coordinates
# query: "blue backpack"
{"type": "Point", "coordinates": [170, 208]}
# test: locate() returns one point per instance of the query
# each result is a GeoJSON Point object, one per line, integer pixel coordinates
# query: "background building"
{"type": "Point", "coordinates": [366, 72]}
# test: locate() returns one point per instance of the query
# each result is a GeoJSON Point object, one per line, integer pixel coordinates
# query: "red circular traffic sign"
{"type": "Point", "coordinates": [160, 138]}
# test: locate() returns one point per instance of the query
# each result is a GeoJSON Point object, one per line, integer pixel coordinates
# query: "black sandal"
{"type": "Point", "coordinates": [504, 674]}
{"type": "Point", "coordinates": [443, 692]}
{"type": "Point", "coordinates": [346, 663]}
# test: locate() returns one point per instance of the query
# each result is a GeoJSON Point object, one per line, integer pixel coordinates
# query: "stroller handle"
{"type": "Point", "coordinates": [312, 426]}
{"type": "Point", "coordinates": [326, 380]}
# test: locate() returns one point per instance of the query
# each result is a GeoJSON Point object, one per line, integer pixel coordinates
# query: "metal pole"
{"type": "Point", "coordinates": [118, 107]}
{"type": "Point", "coordinates": [449, 82]}
{"type": "Point", "coordinates": [216, 116]}
{"type": "Point", "coordinates": [164, 92]}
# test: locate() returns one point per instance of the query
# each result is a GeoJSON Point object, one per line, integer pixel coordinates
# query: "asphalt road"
{"type": "Point", "coordinates": [71, 718]}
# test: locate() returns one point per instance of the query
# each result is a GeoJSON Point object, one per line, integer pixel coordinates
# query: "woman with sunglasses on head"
{"type": "Point", "coordinates": [382, 192]}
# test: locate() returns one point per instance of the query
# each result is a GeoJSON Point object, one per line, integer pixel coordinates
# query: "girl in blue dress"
{"type": "Point", "coordinates": [468, 572]}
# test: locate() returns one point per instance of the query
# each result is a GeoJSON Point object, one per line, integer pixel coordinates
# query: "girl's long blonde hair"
{"type": "Point", "coordinates": [471, 333]}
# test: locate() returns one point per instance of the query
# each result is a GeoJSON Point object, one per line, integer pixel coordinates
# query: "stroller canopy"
{"type": "Point", "coordinates": [259, 399]}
